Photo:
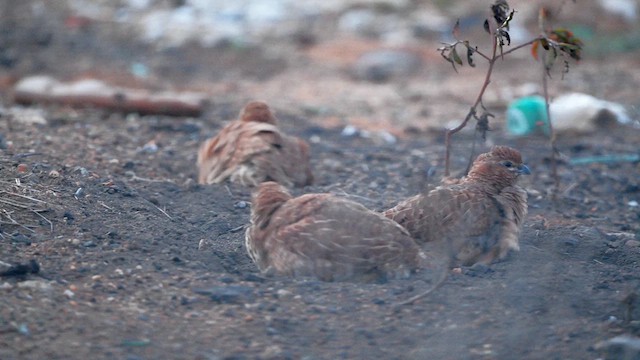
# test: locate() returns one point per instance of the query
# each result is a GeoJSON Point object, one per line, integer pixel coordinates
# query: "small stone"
{"type": "Point", "coordinates": [6, 286]}
{"type": "Point", "coordinates": [283, 293]}
{"type": "Point", "coordinates": [632, 243]}
{"type": "Point", "coordinates": [22, 168]}
{"type": "Point", "coordinates": [75, 242]}
{"type": "Point", "coordinates": [78, 193]}
{"type": "Point", "coordinates": [234, 294]}
{"type": "Point", "coordinates": [20, 238]}
{"type": "Point", "coordinates": [349, 131]}
{"type": "Point", "coordinates": [388, 137]}
{"type": "Point", "coordinates": [633, 203]}
{"type": "Point", "coordinates": [118, 272]}
{"type": "Point", "coordinates": [35, 285]}
{"type": "Point", "coordinates": [241, 204]}
{"type": "Point", "coordinates": [68, 293]}
{"type": "Point", "coordinates": [54, 174]}
{"type": "Point", "coordinates": [620, 347]}
{"type": "Point", "coordinates": [571, 241]}
{"type": "Point", "coordinates": [382, 65]}
{"type": "Point", "coordinates": [83, 171]}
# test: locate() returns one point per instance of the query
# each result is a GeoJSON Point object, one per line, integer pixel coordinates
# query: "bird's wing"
{"type": "Point", "coordinates": [330, 236]}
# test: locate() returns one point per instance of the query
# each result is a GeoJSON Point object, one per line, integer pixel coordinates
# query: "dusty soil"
{"type": "Point", "coordinates": [139, 262]}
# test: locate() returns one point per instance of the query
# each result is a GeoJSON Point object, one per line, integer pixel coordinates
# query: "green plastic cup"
{"type": "Point", "coordinates": [527, 115]}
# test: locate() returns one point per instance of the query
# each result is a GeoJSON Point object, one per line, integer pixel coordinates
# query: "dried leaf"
{"type": "Point", "coordinates": [500, 9]}
{"type": "Point", "coordinates": [534, 49]}
{"type": "Point", "coordinates": [455, 56]}
{"type": "Point", "coordinates": [456, 30]}
{"type": "Point", "coordinates": [470, 52]}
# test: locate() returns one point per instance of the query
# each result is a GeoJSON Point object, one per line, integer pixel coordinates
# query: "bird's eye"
{"type": "Point", "coordinates": [508, 164]}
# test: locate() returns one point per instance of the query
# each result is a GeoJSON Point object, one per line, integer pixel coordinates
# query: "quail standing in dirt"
{"type": "Point", "coordinates": [479, 218]}
{"type": "Point", "coordinates": [327, 237]}
{"type": "Point", "coordinates": [253, 149]}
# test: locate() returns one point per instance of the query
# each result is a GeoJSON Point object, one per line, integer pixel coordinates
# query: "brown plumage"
{"type": "Point", "coordinates": [252, 149]}
{"type": "Point", "coordinates": [327, 237]}
{"type": "Point", "coordinates": [478, 217]}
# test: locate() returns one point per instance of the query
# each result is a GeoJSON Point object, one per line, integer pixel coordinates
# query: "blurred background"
{"type": "Point", "coordinates": [368, 63]}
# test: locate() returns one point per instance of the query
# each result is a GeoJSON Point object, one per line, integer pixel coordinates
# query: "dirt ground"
{"type": "Point", "coordinates": [137, 261]}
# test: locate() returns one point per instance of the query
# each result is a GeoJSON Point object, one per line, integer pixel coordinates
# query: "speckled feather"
{"type": "Point", "coordinates": [252, 149]}
{"type": "Point", "coordinates": [480, 216]}
{"type": "Point", "coordinates": [327, 237]}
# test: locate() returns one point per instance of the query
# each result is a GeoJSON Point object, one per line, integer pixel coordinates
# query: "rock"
{"type": "Point", "coordinates": [620, 347]}
{"type": "Point", "coordinates": [382, 65]}
{"type": "Point", "coordinates": [234, 294]}
{"type": "Point", "coordinates": [632, 243]}
{"type": "Point", "coordinates": [41, 285]}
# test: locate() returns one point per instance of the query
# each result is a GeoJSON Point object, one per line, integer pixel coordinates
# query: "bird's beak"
{"type": "Point", "coordinates": [524, 170]}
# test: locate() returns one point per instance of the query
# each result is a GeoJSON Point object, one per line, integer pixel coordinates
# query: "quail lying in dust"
{"type": "Point", "coordinates": [253, 149]}
{"type": "Point", "coordinates": [479, 218]}
{"type": "Point", "coordinates": [327, 237]}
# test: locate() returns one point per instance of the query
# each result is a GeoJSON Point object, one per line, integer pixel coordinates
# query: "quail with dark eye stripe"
{"type": "Point", "coordinates": [479, 217]}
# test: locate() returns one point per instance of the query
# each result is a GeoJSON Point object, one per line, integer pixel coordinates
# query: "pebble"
{"type": "Point", "coordinates": [78, 193]}
{"type": "Point", "coordinates": [83, 171]}
{"type": "Point", "coordinates": [35, 285]}
{"type": "Point", "coordinates": [54, 174]}
{"type": "Point", "coordinates": [620, 347]}
{"type": "Point", "coordinates": [6, 286]}
{"type": "Point", "coordinates": [20, 238]}
{"type": "Point", "coordinates": [633, 203]}
{"type": "Point", "coordinates": [22, 168]}
{"type": "Point", "coordinates": [349, 131]}
{"type": "Point", "coordinates": [283, 293]}
{"type": "Point", "coordinates": [632, 243]}
{"type": "Point", "coordinates": [241, 204]}
{"type": "Point", "coordinates": [68, 293]}
{"type": "Point", "coordinates": [382, 65]}
{"type": "Point", "coordinates": [233, 294]}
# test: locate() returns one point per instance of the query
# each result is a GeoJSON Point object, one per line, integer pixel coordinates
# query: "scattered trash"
{"type": "Point", "coordinates": [583, 113]}
{"type": "Point", "coordinates": [136, 343]}
{"type": "Point", "coordinates": [570, 112]}
{"type": "Point", "coordinates": [605, 159]}
{"type": "Point", "coordinates": [527, 115]}
{"type": "Point", "coordinates": [78, 193]}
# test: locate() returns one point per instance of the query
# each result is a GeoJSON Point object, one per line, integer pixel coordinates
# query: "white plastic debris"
{"type": "Point", "coordinates": [583, 113]}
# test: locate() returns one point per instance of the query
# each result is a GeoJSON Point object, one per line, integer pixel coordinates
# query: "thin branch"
{"type": "Point", "coordinates": [552, 133]}
{"type": "Point", "coordinates": [522, 45]}
{"type": "Point", "coordinates": [472, 111]}
{"type": "Point", "coordinates": [45, 219]}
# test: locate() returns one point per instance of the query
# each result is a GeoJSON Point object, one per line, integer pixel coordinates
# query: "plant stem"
{"type": "Point", "coordinates": [472, 110]}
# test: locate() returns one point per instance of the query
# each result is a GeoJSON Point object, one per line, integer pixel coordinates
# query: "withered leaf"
{"type": "Point", "coordinates": [455, 56]}
{"type": "Point", "coordinates": [470, 52]}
